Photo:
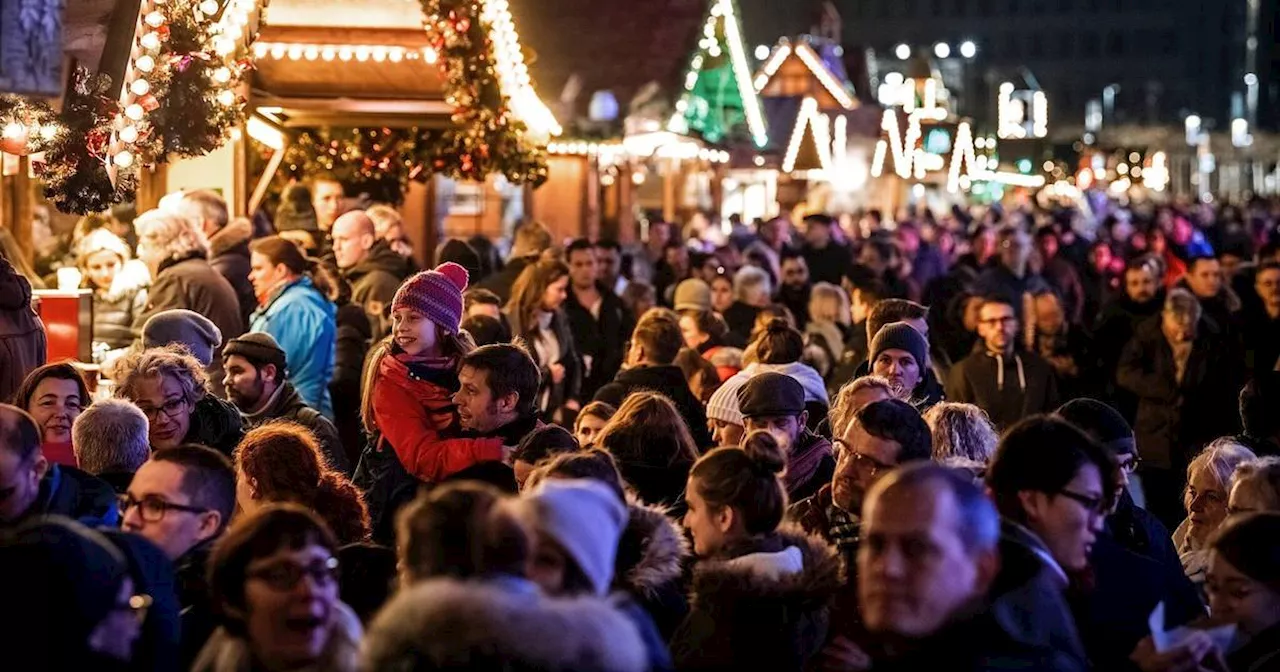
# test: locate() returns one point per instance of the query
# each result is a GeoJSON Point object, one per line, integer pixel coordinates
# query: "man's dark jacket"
{"type": "Point", "coordinates": [668, 381]}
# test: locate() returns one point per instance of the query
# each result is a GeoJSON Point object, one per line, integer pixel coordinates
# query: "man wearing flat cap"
{"type": "Point", "coordinates": [774, 402]}
{"type": "Point", "coordinates": [257, 385]}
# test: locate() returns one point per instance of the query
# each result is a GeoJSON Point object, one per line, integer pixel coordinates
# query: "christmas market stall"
{"type": "Point", "coordinates": [99, 96]}
{"type": "Point", "coordinates": [428, 106]}
{"type": "Point", "coordinates": [649, 130]}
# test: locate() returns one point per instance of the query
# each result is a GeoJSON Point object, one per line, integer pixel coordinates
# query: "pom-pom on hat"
{"type": "Point", "coordinates": [437, 294]}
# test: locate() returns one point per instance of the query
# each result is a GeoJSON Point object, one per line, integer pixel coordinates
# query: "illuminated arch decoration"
{"type": "Point", "coordinates": [718, 91]}
{"type": "Point", "coordinates": [805, 54]}
{"type": "Point", "coordinates": [813, 124]}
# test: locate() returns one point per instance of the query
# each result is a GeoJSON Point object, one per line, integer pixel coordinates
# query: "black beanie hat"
{"type": "Point", "coordinates": [1102, 422]}
{"type": "Point", "coordinates": [770, 394]}
{"type": "Point", "coordinates": [66, 577]}
{"type": "Point", "coordinates": [259, 348]}
{"type": "Point", "coordinates": [900, 336]}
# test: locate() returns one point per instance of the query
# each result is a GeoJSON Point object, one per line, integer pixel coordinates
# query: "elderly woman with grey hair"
{"type": "Point", "coordinates": [1205, 498]}
{"type": "Point", "coordinates": [1255, 486]}
{"type": "Point", "coordinates": [963, 436]}
{"type": "Point", "coordinates": [110, 441]}
{"type": "Point", "coordinates": [176, 252]}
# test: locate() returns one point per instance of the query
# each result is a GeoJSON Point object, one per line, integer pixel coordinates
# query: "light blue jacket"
{"type": "Point", "coordinates": [303, 322]}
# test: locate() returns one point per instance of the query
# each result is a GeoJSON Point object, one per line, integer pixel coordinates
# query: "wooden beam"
{"type": "Point", "coordinates": [24, 207]}
{"type": "Point", "coordinates": [121, 32]}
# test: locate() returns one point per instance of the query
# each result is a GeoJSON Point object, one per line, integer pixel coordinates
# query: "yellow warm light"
{"type": "Point", "coordinates": [771, 66]}
{"type": "Point", "coordinates": [513, 74]}
{"type": "Point", "coordinates": [723, 10]}
{"type": "Point", "coordinates": [962, 156]}
{"type": "Point", "coordinates": [819, 69]}
{"type": "Point", "coordinates": [265, 133]}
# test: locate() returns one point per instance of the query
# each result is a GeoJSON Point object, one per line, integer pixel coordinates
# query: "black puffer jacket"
{"type": "Point", "coordinates": [743, 618]}
{"type": "Point", "coordinates": [217, 424]}
{"type": "Point", "coordinates": [374, 282]}
{"type": "Point", "coordinates": [114, 312]}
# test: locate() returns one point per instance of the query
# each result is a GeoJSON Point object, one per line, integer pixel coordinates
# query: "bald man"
{"type": "Point", "coordinates": [374, 270]}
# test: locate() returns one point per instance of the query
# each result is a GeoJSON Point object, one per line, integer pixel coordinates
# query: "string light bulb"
{"type": "Point", "coordinates": [129, 134]}
{"type": "Point", "coordinates": [124, 158]}
{"type": "Point", "coordinates": [13, 130]}
{"type": "Point", "coordinates": [222, 75]}
{"type": "Point", "coordinates": [154, 19]}
{"type": "Point", "coordinates": [140, 87]}
{"type": "Point", "coordinates": [209, 7]}
{"type": "Point", "coordinates": [134, 112]}
{"type": "Point", "coordinates": [151, 40]}
{"type": "Point", "coordinates": [227, 97]}
{"type": "Point", "coordinates": [145, 63]}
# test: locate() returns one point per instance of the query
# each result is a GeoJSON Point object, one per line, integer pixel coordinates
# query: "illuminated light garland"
{"type": "Point", "coordinates": [723, 10]}
{"type": "Point", "coordinates": [1040, 110]}
{"type": "Point", "coordinates": [819, 70]}
{"type": "Point", "coordinates": [809, 117]}
{"type": "Point", "coordinates": [512, 71]}
{"type": "Point", "coordinates": [963, 155]}
{"type": "Point", "coordinates": [308, 51]}
{"type": "Point", "coordinates": [775, 61]}
{"type": "Point", "coordinates": [134, 93]}
{"type": "Point", "coordinates": [902, 146]}
{"type": "Point", "coordinates": [1156, 175]}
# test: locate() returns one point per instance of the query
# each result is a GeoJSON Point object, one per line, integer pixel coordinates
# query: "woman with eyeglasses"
{"type": "Point", "coordinates": [172, 389]}
{"type": "Point", "coordinates": [1205, 498]}
{"type": "Point", "coordinates": [1243, 585]}
{"type": "Point", "coordinates": [273, 578]}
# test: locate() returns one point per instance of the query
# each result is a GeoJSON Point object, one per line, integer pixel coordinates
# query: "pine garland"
{"type": "Point", "coordinates": [485, 136]}
{"type": "Point", "coordinates": [377, 161]}
{"type": "Point", "coordinates": [74, 173]}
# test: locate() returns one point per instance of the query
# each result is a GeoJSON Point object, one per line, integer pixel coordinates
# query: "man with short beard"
{"type": "Point", "coordinates": [899, 354]}
{"type": "Point", "coordinates": [256, 384]}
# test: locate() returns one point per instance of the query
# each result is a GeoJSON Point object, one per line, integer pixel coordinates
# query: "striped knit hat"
{"type": "Point", "coordinates": [436, 293]}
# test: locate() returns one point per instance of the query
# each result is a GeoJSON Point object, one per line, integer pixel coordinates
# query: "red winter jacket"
{"type": "Point", "coordinates": [412, 413]}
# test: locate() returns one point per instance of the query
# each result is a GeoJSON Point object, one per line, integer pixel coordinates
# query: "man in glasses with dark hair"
{"type": "Point", "coordinates": [997, 377]}
{"type": "Point", "coordinates": [181, 500]}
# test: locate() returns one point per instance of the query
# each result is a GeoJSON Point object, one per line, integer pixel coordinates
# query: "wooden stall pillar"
{"type": "Point", "coordinates": [670, 190]}
{"type": "Point", "coordinates": [626, 233]}
{"type": "Point", "coordinates": [23, 207]}
{"type": "Point", "coordinates": [153, 184]}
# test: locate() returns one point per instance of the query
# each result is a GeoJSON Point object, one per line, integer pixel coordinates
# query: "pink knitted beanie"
{"type": "Point", "coordinates": [436, 293]}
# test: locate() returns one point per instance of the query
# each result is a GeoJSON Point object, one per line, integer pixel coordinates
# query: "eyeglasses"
{"type": "Point", "coordinates": [1008, 319]}
{"type": "Point", "coordinates": [152, 508]}
{"type": "Point", "coordinates": [1131, 465]}
{"type": "Point", "coordinates": [138, 605]}
{"type": "Point", "coordinates": [170, 408]}
{"type": "Point", "coordinates": [1096, 505]}
{"type": "Point", "coordinates": [285, 576]}
{"type": "Point", "coordinates": [863, 461]}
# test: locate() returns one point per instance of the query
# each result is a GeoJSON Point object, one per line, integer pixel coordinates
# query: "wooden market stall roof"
{"type": "Point", "coordinates": [608, 46]}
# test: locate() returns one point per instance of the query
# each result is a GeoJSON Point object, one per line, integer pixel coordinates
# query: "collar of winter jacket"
{"type": "Point", "coordinates": [652, 550]}
{"type": "Point", "coordinates": [178, 259]}
{"type": "Point", "coordinates": [1024, 537]}
{"type": "Point", "coordinates": [237, 234]}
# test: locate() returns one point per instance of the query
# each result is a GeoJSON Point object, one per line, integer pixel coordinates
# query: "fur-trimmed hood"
{"type": "Point", "coordinates": [727, 584]}
{"type": "Point", "coordinates": [652, 550]}
{"type": "Point", "coordinates": [744, 618]}
{"type": "Point", "coordinates": [239, 232]}
{"type": "Point", "coordinates": [500, 624]}
{"type": "Point", "coordinates": [225, 652]}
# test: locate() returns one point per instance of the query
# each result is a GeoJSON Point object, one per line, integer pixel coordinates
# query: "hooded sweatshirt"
{"type": "Point", "coordinates": [1008, 387]}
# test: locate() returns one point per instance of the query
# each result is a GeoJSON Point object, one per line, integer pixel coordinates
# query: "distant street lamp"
{"type": "Point", "coordinates": [902, 51]}
{"type": "Point", "coordinates": [941, 50]}
{"type": "Point", "coordinates": [968, 49]}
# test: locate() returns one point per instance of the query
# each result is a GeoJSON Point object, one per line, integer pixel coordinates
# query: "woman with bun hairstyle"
{"type": "Point", "coordinates": [761, 592]}
{"type": "Point", "coordinates": [409, 383]}
{"type": "Point", "coordinates": [281, 462]}
{"type": "Point", "coordinates": [294, 308]}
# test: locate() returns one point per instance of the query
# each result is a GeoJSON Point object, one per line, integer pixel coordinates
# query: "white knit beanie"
{"type": "Point", "coordinates": [586, 518]}
{"type": "Point", "coordinates": [723, 405]}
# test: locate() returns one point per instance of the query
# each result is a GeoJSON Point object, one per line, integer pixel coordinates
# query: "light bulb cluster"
{"type": "Point", "coordinates": [513, 74]}
{"type": "Point", "coordinates": [136, 97]}
{"type": "Point", "coordinates": [723, 11]}
{"type": "Point", "coordinates": [1013, 119]}
{"type": "Point", "coordinates": [378, 53]}
{"type": "Point", "coordinates": [616, 152]}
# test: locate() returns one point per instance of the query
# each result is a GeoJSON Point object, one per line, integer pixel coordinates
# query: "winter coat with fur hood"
{"type": "Point", "coordinates": [650, 565]}
{"type": "Point", "coordinates": [743, 617]}
{"type": "Point", "coordinates": [502, 623]}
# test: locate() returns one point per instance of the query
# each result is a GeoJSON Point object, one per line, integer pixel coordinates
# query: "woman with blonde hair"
{"type": "Point", "coordinates": [653, 448]}
{"type": "Point", "coordinates": [1205, 498]}
{"type": "Point", "coordinates": [170, 387]}
{"type": "Point", "coordinates": [176, 252]}
{"type": "Point", "coordinates": [828, 328]}
{"type": "Point", "coordinates": [535, 314]}
{"type": "Point", "coordinates": [963, 436]}
{"type": "Point", "coordinates": [119, 297]}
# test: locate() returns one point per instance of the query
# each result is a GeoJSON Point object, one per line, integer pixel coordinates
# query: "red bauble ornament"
{"type": "Point", "coordinates": [149, 102]}
{"type": "Point", "coordinates": [16, 145]}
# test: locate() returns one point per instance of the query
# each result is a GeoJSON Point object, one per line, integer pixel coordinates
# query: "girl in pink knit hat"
{"type": "Point", "coordinates": [412, 375]}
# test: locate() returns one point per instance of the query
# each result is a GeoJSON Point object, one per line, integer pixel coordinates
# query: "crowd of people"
{"type": "Point", "coordinates": [973, 440]}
